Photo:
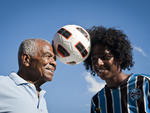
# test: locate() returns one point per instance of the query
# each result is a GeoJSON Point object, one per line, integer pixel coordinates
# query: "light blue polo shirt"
{"type": "Point", "coordinates": [19, 96]}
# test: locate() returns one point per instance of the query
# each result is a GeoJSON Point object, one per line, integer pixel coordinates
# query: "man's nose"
{"type": "Point", "coordinates": [53, 63]}
{"type": "Point", "coordinates": [100, 62]}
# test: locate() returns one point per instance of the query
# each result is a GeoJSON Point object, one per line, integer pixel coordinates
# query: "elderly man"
{"type": "Point", "coordinates": [20, 92]}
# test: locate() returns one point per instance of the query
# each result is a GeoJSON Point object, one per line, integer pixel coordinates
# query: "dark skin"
{"type": "Point", "coordinates": [106, 66]}
{"type": "Point", "coordinates": [39, 68]}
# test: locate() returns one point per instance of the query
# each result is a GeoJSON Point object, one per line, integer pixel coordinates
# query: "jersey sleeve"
{"type": "Point", "coordinates": [94, 105]}
{"type": "Point", "coordinates": [147, 89]}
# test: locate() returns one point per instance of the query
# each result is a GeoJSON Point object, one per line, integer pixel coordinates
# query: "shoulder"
{"type": "Point", "coordinates": [98, 94]}
{"type": "Point", "coordinates": [4, 79]}
{"type": "Point", "coordinates": [5, 83]}
{"type": "Point", "coordinates": [141, 74]}
{"type": "Point", "coordinates": [139, 79]}
{"type": "Point", "coordinates": [145, 76]}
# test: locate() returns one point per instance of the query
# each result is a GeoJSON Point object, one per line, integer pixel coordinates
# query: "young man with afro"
{"type": "Point", "coordinates": [111, 52]}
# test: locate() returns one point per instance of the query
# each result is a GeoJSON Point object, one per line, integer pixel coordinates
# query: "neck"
{"type": "Point", "coordinates": [116, 80]}
{"type": "Point", "coordinates": [30, 78]}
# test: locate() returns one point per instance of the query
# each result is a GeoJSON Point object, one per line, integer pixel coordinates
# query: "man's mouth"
{"type": "Point", "coordinates": [100, 70]}
{"type": "Point", "coordinates": [51, 70]}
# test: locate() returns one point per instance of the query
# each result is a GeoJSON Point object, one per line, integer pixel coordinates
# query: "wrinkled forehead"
{"type": "Point", "coordinates": [45, 46]}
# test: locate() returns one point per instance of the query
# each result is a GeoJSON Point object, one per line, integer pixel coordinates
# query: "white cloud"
{"type": "Point", "coordinates": [93, 85]}
{"type": "Point", "coordinates": [140, 50]}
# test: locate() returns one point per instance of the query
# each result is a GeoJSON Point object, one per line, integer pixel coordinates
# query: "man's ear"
{"type": "Point", "coordinates": [26, 60]}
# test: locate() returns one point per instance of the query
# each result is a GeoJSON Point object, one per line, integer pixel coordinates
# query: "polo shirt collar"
{"type": "Point", "coordinates": [20, 81]}
{"type": "Point", "coordinates": [17, 79]}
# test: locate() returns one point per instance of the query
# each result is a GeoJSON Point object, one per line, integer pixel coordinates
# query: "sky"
{"type": "Point", "coordinates": [72, 87]}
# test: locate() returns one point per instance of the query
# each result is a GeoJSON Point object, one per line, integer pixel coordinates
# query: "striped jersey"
{"type": "Point", "coordinates": [131, 96]}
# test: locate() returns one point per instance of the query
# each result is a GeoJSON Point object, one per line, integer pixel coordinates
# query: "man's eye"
{"type": "Point", "coordinates": [50, 57]}
{"type": "Point", "coordinates": [47, 56]}
{"type": "Point", "coordinates": [104, 57]}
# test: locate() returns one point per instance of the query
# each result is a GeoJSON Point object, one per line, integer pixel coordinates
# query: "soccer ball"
{"type": "Point", "coordinates": [71, 44]}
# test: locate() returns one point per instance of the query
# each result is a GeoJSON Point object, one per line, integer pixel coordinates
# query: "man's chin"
{"type": "Point", "coordinates": [103, 75]}
{"type": "Point", "coordinates": [48, 78]}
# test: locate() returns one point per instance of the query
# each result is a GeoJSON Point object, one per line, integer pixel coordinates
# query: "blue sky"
{"type": "Point", "coordinates": [72, 87]}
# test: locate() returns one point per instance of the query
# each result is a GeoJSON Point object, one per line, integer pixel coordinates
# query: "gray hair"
{"type": "Point", "coordinates": [28, 47]}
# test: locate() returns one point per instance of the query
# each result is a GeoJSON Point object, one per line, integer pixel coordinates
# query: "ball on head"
{"type": "Point", "coordinates": [71, 44]}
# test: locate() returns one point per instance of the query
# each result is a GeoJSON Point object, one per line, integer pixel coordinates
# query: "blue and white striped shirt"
{"type": "Point", "coordinates": [132, 96]}
{"type": "Point", "coordinates": [19, 96]}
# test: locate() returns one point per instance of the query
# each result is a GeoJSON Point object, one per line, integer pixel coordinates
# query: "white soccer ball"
{"type": "Point", "coordinates": [72, 44]}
